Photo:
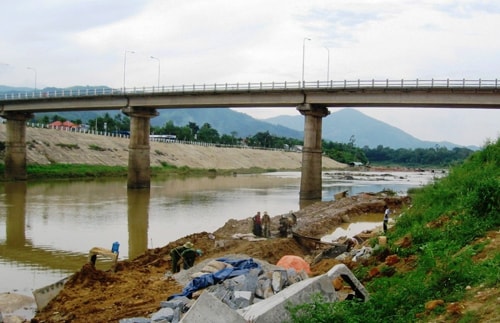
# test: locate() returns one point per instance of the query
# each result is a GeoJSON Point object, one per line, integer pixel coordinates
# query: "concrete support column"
{"type": "Point", "coordinates": [310, 181]}
{"type": "Point", "coordinates": [15, 146]}
{"type": "Point", "coordinates": [139, 168]}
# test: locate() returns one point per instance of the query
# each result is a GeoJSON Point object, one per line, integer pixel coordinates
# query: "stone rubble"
{"type": "Point", "coordinates": [261, 295]}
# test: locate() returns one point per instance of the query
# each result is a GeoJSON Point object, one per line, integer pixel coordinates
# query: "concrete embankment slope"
{"type": "Point", "coordinates": [46, 146]}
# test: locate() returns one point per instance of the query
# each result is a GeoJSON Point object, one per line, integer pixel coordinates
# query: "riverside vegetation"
{"type": "Point", "coordinates": [448, 250]}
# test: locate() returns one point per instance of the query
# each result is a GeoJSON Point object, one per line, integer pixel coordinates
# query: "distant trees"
{"type": "Point", "coordinates": [110, 124]}
{"type": "Point", "coordinates": [118, 122]}
{"type": "Point", "coordinates": [208, 134]}
{"type": "Point", "coordinates": [436, 156]}
{"type": "Point", "coordinates": [342, 152]}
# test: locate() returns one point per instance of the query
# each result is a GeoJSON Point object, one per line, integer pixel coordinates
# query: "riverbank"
{"type": "Point", "coordinates": [139, 285]}
{"type": "Point", "coordinates": [50, 146]}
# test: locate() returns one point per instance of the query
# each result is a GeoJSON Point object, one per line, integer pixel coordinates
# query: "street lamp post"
{"type": "Point", "coordinates": [304, 57]}
{"type": "Point", "coordinates": [328, 65]}
{"type": "Point", "coordinates": [156, 58]}
{"type": "Point", "coordinates": [34, 70]}
{"type": "Point", "coordinates": [125, 65]}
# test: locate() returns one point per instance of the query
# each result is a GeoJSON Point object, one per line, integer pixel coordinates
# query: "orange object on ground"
{"type": "Point", "coordinates": [294, 262]}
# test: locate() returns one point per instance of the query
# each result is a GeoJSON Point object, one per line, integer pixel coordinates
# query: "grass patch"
{"type": "Point", "coordinates": [445, 222]}
{"type": "Point", "coordinates": [67, 171]}
{"type": "Point", "coordinates": [96, 147]}
{"type": "Point", "coordinates": [72, 171]}
{"type": "Point", "coordinates": [68, 146]}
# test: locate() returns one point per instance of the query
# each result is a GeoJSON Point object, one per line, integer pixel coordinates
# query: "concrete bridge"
{"type": "Point", "coordinates": [311, 99]}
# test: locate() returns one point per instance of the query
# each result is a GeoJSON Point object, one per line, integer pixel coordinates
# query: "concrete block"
{"type": "Point", "coordinates": [135, 320]}
{"type": "Point", "coordinates": [209, 309]}
{"type": "Point", "coordinates": [164, 314]}
{"type": "Point", "coordinates": [45, 294]}
{"type": "Point", "coordinates": [235, 283]}
{"type": "Point", "coordinates": [278, 280]}
{"type": "Point", "coordinates": [178, 302]}
{"type": "Point", "coordinates": [343, 272]}
{"type": "Point", "coordinates": [273, 309]}
{"type": "Point", "coordinates": [264, 288]}
{"type": "Point", "coordinates": [242, 298]}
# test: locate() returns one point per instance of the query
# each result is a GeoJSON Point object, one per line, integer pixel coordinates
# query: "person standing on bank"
{"type": "Point", "coordinates": [266, 225]}
{"type": "Point", "coordinates": [386, 217]}
{"type": "Point", "coordinates": [257, 225]}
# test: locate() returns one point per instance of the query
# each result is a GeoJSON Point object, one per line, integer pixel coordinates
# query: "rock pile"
{"type": "Point", "coordinates": [241, 290]}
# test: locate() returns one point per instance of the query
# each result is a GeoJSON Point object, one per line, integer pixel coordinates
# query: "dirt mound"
{"type": "Point", "coordinates": [89, 276]}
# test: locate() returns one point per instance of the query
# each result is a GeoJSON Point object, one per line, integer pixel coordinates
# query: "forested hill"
{"type": "Point", "coordinates": [350, 124]}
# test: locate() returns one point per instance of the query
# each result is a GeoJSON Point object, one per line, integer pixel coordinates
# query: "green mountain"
{"type": "Point", "coordinates": [225, 121]}
{"type": "Point", "coordinates": [345, 124]}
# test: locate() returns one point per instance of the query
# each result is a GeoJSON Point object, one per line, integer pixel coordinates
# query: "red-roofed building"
{"type": "Point", "coordinates": [65, 124]}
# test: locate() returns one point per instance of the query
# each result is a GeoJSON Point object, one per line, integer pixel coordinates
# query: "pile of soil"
{"type": "Point", "coordinates": [139, 285]}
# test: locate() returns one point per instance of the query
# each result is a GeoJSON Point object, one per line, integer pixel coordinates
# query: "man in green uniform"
{"type": "Point", "coordinates": [187, 253]}
{"type": "Point", "coordinates": [176, 255]}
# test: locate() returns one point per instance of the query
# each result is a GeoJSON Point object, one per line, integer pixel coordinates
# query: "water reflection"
{"type": "Point", "coordinates": [138, 215]}
{"type": "Point", "coordinates": [15, 200]}
{"type": "Point", "coordinates": [359, 224]}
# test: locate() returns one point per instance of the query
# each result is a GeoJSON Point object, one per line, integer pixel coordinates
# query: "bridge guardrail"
{"type": "Point", "coordinates": [260, 86]}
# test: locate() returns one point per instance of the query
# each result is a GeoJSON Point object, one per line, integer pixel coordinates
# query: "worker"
{"type": "Point", "coordinates": [284, 226]}
{"type": "Point", "coordinates": [257, 225]}
{"type": "Point", "coordinates": [176, 255]}
{"type": "Point", "coordinates": [189, 256]}
{"type": "Point", "coordinates": [266, 225]}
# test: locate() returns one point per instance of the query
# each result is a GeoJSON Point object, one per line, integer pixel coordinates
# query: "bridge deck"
{"type": "Point", "coordinates": [359, 93]}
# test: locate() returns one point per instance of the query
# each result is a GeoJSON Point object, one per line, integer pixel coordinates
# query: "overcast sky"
{"type": "Point", "coordinates": [86, 42]}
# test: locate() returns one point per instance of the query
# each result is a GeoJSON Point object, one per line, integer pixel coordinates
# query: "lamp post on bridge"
{"type": "Point", "coordinates": [34, 70]}
{"type": "Point", "coordinates": [328, 65]}
{"type": "Point", "coordinates": [304, 57]}
{"type": "Point", "coordinates": [125, 65]}
{"type": "Point", "coordinates": [156, 58]}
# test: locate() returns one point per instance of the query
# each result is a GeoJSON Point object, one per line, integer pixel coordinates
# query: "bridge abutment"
{"type": "Point", "coordinates": [15, 146]}
{"type": "Point", "coordinates": [310, 181]}
{"type": "Point", "coordinates": [139, 168]}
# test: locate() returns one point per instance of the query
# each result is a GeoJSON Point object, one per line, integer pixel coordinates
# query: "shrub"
{"type": "Point", "coordinates": [68, 146]}
{"type": "Point", "coordinates": [96, 147]}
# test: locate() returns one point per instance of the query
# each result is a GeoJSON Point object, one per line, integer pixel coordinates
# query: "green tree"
{"type": "Point", "coordinates": [208, 134]}
{"type": "Point", "coordinates": [185, 133]}
{"type": "Point", "coordinates": [194, 128]}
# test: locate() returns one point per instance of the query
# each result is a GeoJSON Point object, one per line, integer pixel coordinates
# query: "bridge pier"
{"type": "Point", "coordinates": [310, 179]}
{"type": "Point", "coordinates": [139, 168]}
{"type": "Point", "coordinates": [15, 145]}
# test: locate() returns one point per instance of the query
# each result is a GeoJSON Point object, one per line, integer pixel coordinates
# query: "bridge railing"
{"type": "Point", "coordinates": [260, 86]}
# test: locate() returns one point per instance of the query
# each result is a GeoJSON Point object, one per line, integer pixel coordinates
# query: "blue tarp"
{"type": "Point", "coordinates": [239, 267]}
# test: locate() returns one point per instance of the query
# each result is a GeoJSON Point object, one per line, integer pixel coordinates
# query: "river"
{"type": "Point", "coordinates": [47, 228]}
